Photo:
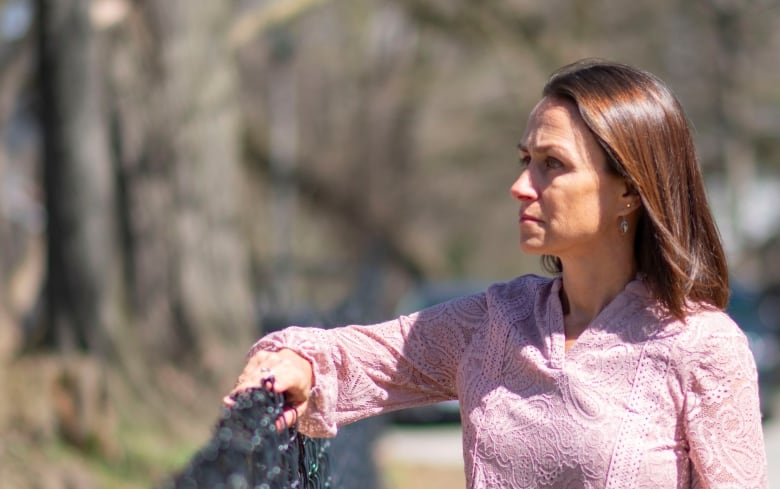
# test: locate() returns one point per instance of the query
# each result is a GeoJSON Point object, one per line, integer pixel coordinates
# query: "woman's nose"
{"type": "Point", "coordinates": [523, 187]}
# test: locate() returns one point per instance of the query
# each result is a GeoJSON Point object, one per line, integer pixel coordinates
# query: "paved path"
{"type": "Point", "coordinates": [426, 445]}
{"type": "Point", "coordinates": [772, 440]}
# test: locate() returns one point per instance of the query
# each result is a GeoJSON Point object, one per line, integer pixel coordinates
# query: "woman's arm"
{"type": "Point", "coordinates": [723, 419]}
{"type": "Point", "coordinates": [336, 376]}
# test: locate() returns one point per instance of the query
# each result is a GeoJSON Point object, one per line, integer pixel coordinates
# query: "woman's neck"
{"type": "Point", "coordinates": [588, 289]}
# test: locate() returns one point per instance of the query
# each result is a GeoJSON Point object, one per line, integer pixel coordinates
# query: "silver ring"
{"type": "Point", "coordinates": [266, 372]}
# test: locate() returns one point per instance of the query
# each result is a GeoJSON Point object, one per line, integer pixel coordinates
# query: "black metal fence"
{"type": "Point", "coordinates": [246, 451]}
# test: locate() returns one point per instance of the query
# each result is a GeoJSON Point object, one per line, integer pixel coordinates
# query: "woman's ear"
{"type": "Point", "coordinates": [630, 200]}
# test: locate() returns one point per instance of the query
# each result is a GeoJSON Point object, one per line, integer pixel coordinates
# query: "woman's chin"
{"type": "Point", "coordinates": [531, 248]}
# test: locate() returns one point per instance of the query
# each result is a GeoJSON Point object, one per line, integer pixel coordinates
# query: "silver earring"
{"type": "Point", "coordinates": [623, 225]}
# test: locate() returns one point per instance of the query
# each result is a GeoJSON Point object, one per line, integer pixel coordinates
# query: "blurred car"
{"type": "Point", "coordinates": [769, 307]}
{"type": "Point", "coordinates": [746, 309]}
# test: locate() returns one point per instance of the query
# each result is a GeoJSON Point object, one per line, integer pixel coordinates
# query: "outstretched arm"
{"type": "Point", "coordinates": [340, 375]}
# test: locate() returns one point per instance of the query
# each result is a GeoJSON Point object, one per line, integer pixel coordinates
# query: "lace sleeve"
{"type": "Point", "coordinates": [364, 370]}
{"type": "Point", "coordinates": [722, 415]}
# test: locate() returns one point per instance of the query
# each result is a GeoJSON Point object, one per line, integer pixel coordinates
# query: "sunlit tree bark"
{"type": "Point", "coordinates": [83, 292]}
{"type": "Point", "coordinates": [143, 184]}
{"type": "Point", "coordinates": [177, 119]}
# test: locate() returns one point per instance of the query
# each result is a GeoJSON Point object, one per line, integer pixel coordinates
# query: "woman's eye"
{"type": "Point", "coordinates": [553, 163]}
{"type": "Point", "coordinates": [525, 161]}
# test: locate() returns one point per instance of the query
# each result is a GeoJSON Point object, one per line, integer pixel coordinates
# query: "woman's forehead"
{"type": "Point", "coordinates": [554, 121]}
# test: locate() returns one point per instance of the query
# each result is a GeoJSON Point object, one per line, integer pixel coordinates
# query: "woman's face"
{"type": "Point", "coordinates": [570, 203]}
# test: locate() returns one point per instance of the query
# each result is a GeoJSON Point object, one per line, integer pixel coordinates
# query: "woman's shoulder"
{"type": "Point", "coordinates": [702, 331]}
{"type": "Point", "coordinates": [707, 322]}
{"type": "Point", "coordinates": [519, 286]}
{"type": "Point", "coordinates": [515, 299]}
{"type": "Point", "coordinates": [711, 341]}
{"type": "Point", "coordinates": [701, 325]}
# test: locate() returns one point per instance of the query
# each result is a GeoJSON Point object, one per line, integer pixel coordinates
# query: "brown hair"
{"type": "Point", "coordinates": [644, 131]}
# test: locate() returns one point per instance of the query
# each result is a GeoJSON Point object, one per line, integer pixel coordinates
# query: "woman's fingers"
{"type": "Point", "coordinates": [256, 373]}
{"type": "Point", "coordinates": [289, 416]}
{"type": "Point", "coordinates": [285, 372]}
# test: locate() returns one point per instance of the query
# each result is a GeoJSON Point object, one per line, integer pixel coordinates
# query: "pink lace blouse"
{"type": "Point", "coordinates": [639, 401]}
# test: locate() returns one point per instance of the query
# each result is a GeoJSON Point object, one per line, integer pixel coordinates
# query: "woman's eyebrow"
{"type": "Point", "coordinates": [543, 148]}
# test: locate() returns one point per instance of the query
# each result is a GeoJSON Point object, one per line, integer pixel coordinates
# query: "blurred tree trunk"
{"type": "Point", "coordinates": [735, 150]}
{"type": "Point", "coordinates": [177, 119]}
{"type": "Point", "coordinates": [83, 286]}
{"type": "Point", "coordinates": [143, 184]}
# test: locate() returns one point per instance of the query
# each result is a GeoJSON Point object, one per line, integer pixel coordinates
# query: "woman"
{"type": "Point", "coordinates": [622, 371]}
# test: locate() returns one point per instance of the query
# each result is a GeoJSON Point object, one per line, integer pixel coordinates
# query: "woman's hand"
{"type": "Point", "coordinates": [286, 372]}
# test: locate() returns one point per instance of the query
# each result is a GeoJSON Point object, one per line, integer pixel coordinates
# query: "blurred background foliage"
{"type": "Point", "coordinates": [176, 176]}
